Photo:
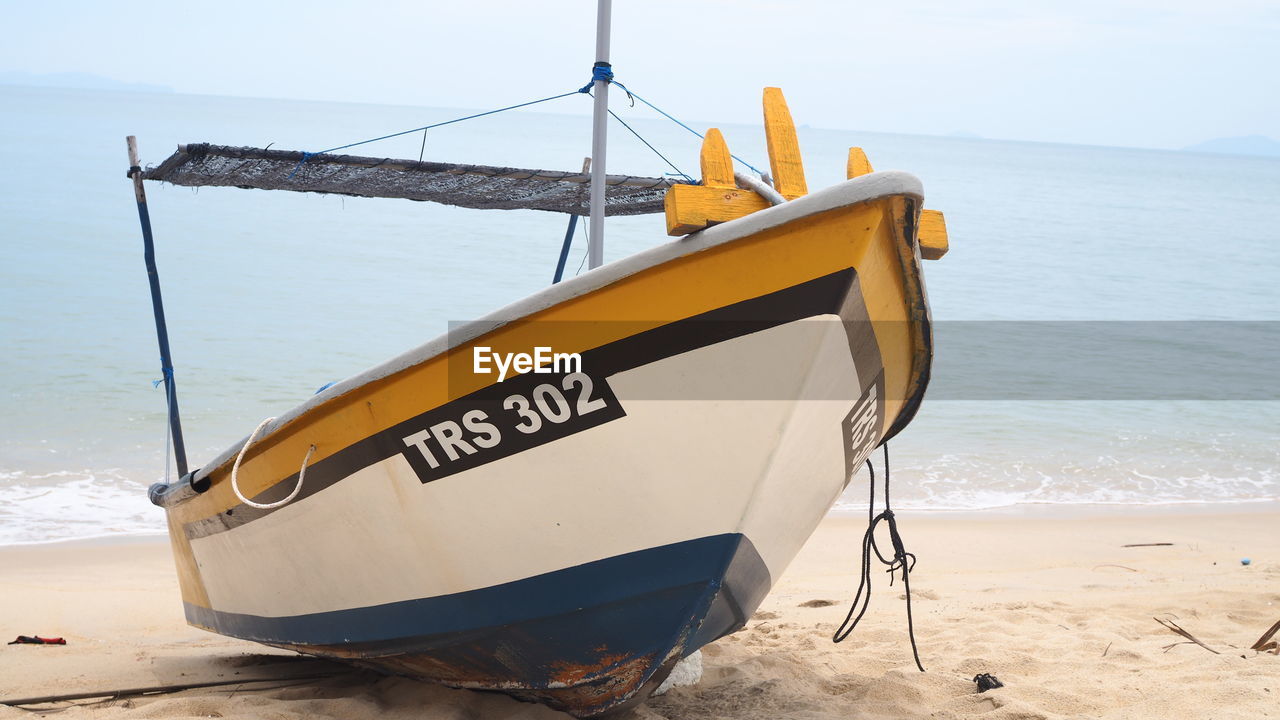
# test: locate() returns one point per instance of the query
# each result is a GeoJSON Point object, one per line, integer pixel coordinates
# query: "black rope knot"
{"type": "Point", "coordinates": [901, 561]}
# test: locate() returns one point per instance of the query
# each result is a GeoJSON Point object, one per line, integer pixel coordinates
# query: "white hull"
{"type": "Point", "coordinates": [734, 458]}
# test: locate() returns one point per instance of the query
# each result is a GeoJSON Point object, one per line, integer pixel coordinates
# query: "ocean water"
{"type": "Point", "coordinates": [271, 295]}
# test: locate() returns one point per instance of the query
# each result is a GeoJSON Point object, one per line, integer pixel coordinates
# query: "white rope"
{"type": "Point", "coordinates": [747, 182]}
{"type": "Point", "coordinates": [235, 473]}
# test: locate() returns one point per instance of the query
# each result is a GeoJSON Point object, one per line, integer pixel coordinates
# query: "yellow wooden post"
{"type": "Point", "coordinates": [858, 164]}
{"type": "Point", "coordinates": [932, 232]}
{"type": "Point", "coordinates": [717, 165]}
{"type": "Point", "coordinates": [932, 235]}
{"type": "Point", "coordinates": [784, 148]}
{"type": "Point", "coordinates": [718, 199]}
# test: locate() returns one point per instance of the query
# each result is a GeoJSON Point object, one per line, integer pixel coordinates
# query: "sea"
{"type": "Point", "coordinates": [1105, 320]}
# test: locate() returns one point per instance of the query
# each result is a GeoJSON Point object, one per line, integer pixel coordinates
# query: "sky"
{"type": "Point", "coordinates": [1138, 73]}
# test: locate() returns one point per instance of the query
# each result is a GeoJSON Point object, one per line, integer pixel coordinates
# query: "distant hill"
{"type": "Point", "coordinates": [1247, 145]}
{"type": "Point", "coordinates": [80, 80]}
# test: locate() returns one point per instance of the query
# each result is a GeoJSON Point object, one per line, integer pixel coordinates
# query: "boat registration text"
{"type": "Point", "coordinates": [506, 418]}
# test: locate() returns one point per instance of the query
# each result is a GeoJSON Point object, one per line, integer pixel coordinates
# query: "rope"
{"type": "Point", "coordinates": [902, 561]}
{"type": "Point", "coordinates": [586, 236]}
{"type": "Point", "coordinates": [686, 127]}
{"type": "Point", "coordinates": [603, 71]}
{"type": "Point", "coordinates": [167, 378]}
{"type": "Point", "coordinates": [235, 473]}
{"type": "Point", "coordinates": [168, 422]}
{"type": "Point", "coordinates": [760, 187]}
{"type": "Point", "coordinates": [308, 155]}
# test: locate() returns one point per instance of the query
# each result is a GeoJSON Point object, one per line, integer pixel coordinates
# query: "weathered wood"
{"type": "Point", "coordinates": [784, 148]}
{"type": "Point", "coordinates": [139, 194]}
{"type": "Point", "coordinates": [718, 199]}
{"type": "Point", "coordinates": [691, 208]}
{"type": "Point", "coordinates": [932, 235]}
{"type": "Point", "coordinates": [717, 165]}
{"type": "Point", "coordinates": [474, 186]}
{"type": "Point", "coordinates": [196, 152]}
{"type": "Point", "coordinates": [858, 164]}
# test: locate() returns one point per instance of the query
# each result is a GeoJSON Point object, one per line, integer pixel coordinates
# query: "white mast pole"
{"type": "Point", "coordinates": [599, 129]}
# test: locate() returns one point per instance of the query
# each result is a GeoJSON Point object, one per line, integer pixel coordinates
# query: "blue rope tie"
{"type": "Point", "coordinates": [604, 71]}
{"type": "Point", "coordinates": [305, 157]}
{"type": "Point", "coordinates": [167, 373]}
{"type": "Point", "coordinates": [599, 71]}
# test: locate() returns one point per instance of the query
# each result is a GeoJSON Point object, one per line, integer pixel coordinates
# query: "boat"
{"type": "Point", "coordinates": [565, 498]}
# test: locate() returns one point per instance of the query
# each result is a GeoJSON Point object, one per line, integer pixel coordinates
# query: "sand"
{"type": "Point", "coordinates": [1048, 601]}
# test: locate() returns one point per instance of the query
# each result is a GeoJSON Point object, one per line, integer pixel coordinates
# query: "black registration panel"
{"type": "Point", "coordinates": [503, 419]}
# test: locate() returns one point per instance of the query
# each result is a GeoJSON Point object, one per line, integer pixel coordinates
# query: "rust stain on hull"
{"type": "Point", "coordinates": [608, 683]}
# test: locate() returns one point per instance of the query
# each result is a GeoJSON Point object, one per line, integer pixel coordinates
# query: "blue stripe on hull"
{"type": "Point", "coordinates": [583, 639]}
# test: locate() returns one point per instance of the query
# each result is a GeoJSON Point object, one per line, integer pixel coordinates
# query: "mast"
{"type": "Point", "coordinates": [599, 128]}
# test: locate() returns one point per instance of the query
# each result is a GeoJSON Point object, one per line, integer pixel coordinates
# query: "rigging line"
{"type": "Point", "coordinates": [586, 236]}
{"type": "Point", "coordinates": [586, 90]}
{"type": "Point", "coordinates": [168, 436]}
{"type": "Point", "coordinates": [449, 122]}
{"type": "Point", "coordinates": [686, 127]}
{"type": "Point", "coordinates": [168, 427]}
{"type": "Point", "coordinates": [307, 155]}
{"type": "Point", "coordinates": [167, 379]}
{"type": "Point", "coordinates": [650, 146]}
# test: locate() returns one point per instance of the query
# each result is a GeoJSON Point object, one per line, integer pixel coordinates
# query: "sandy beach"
{"type": "Point", "coordinates": [1048, 601]}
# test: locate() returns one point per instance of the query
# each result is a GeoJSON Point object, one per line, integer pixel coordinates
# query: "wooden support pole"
{"type": "Point", "coordinates": [568, 234]}
{"type": "Point", "coordinates": [157, 307]}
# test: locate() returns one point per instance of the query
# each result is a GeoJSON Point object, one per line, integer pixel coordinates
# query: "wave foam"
{"type": "Point", "coordinates": [74, 505]}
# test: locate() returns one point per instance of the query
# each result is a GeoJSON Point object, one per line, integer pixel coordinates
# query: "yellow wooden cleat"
{"type": "Point", "coordinates": [932, 235]}
{"type": "Point", "coordinates": [718, 199]}
{"type": "Point", "coordinates": [858, 164]}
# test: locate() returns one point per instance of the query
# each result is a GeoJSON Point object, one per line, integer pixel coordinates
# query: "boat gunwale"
{"type": "Point", "coordinates": [856, 191]}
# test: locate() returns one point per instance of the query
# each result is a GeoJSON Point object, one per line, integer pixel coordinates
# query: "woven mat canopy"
{"type": "Point", "coordinates": [470, 186]}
